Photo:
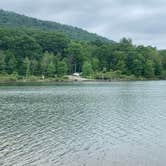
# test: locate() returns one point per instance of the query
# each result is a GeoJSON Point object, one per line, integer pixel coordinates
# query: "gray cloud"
{"type": "Point", "coordinates": [141, 20]}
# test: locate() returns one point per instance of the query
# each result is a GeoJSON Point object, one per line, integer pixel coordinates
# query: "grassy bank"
{"type": "Point", "coordinates": [108, 76]}
{"type": "Point", "coordinates": [118, 76]}
{"type": "Point", "coordinates": [15, 78]}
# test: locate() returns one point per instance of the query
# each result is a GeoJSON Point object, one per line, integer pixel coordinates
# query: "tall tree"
{"type": "Point", "coordinates": [2, 62]}
{"type": "Point", "coordinates": [26, 67]}
{"type": "Point", "coordinates": [11, 62]}
{"type": "Point", "coordinates": [87, 69]}
{"type": "Point", "coordinates": [149, 69]}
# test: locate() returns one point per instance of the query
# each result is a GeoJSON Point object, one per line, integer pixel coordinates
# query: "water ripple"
{"type": "Point", "coordinates": [86, 124]}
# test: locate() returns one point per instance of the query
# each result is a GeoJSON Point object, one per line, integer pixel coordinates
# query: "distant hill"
{"type": "Point", "coordinates": [14, 20]}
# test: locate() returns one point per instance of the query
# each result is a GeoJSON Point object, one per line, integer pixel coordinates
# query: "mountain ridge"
{"type": "Point", "coordinates": [15, 20]}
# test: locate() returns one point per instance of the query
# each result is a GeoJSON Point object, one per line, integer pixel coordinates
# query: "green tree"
{"type": "Point", "coordinates": [121, 66]}
{"type": "Point", "coordinates": [34, 67]}
{"type": "Point", "coordinates": [26, 67]}
{"type": "Point", "coordinates": [95, 64]}
{"type": "Point", "coordinates": [51, 70]}
{"type": "Point", "coordinates": [10, 62]}
{"type": "Point", "coordinates": [158, 67]}
{"type": "Point", "coordinates": [75, 55]}
{"type": "Point", "coordinates": [87, 69]}
{"type": "Point", "coordinates": [137, 67]}
{"type": "Point", "coordinates": [55, 42]}
{"type": "Point", "coordinates": [62, 68]}
{"type": "Point", "coordinates": [2, 62]}
{"type": "Point", "coordinates": [49, 64]}
{"type": "Point", "coordinates": [149, 69]}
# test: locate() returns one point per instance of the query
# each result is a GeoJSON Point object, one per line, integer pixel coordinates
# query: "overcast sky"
{"type": "Point", "coordinates": [142, 20]}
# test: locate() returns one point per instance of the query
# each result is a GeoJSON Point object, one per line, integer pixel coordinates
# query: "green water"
{"type": "Point", "coordinates": [83, 124]}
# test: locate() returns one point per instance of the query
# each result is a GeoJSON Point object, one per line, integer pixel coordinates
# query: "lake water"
{"type": "Point", "coordinates": [83, 124]}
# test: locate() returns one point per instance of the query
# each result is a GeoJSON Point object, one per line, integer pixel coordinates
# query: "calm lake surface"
{"type": "Point", "coordinates": [83, 124]}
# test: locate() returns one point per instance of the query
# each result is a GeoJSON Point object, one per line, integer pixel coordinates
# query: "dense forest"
{"type": "Point", "coordinates": [27, 52]}
{"type": "Point", "coordinates": [14, 20]}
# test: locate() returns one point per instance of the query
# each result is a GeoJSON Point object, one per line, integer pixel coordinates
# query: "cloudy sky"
{"type": "Point", "coordinates": [141, 20]}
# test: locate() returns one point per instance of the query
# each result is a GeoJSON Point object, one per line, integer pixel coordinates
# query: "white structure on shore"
{"type": "Point", "coordinates": [76, 74]}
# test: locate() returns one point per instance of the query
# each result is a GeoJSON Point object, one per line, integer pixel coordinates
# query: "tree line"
{"type": "Point", "coordinates": [32, 52]}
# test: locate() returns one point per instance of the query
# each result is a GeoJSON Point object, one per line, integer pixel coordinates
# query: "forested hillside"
{"type": "Point", "coordinates": [14, 20]}
{"type": "Point", "coordinates": [27, 52]}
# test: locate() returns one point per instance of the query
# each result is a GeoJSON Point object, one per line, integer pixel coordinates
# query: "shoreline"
{"type": "Point", "coordinates": [70, 79]}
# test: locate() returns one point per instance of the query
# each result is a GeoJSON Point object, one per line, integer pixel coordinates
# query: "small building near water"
{"type": "Point", "coordinates": [76, 74]}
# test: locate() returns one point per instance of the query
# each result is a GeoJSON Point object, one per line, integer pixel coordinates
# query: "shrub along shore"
{"type": "Point", "coordinates": [69, 78]}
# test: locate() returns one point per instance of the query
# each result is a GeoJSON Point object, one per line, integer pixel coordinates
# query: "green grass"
{"type": "Point", "coordinates": [116, 75]}
{"type": "Point", "coordinates": [17, 78]}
